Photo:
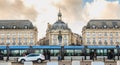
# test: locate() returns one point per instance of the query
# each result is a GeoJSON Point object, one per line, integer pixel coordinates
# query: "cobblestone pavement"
{"type": "Point", "coordinates": [44, 63]}
{"type": "Point", "coordinates": [33, 63]}
{"type": "Point", "coordinates": [67, 62]}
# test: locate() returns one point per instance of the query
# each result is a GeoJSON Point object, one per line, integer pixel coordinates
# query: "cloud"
{"type": "Point", "coordinates": [71, 9]}
{"type": "Point", "coordinates": [78, 15]}
{"type": "Point", "coordinates": [102, 9]}
{"type": "Point", "coordinates": [45, 11]}
{"type": "Point", "coordinates": [15, 9]}
{"type": "Point", "coordinates": [112, 11]}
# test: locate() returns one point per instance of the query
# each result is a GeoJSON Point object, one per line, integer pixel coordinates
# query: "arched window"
{"type": "Point", "coordinates": [105, 41]}
{"type": "Point", "coordinates": [93, 26]}
{"type": "Point", "coordinates": [116, 26]}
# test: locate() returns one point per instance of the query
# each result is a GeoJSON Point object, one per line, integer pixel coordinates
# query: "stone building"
{"type": "Point", "coordinates": [59, 34]}
{"type": "Point", "coordinates": [76, 39]}
{"type": "Point", "coordinates": [17, 32]}
{"type": "Point", "coordinates": [101, 32]}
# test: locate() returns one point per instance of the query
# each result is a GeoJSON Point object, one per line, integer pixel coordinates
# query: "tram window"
{"type": "Point", "coordinates": [92, 50]}
{"type": "Point", "coordinates": [15, 53]}
{"type": "Point", "coordinates": [105, 52]}
{"type": "Point", "coordinates": [4, 52]}
{"type": "Point", "coordinates": [70, 52]}
{"type": "Point", "coordinates": [78, 52]}
{"type": "Point", "coordinates": [54, 52]}
{"type": "Point", "coordinates": [99, 52]}
{"type": "Point", "coordinates": [115, 51]}
{"type": "Point", "coordinates": [38, 51]}
{"type": "Point", "coordinates": [22, 52]}
{"type": "Point", "coordinates": [88, 51]}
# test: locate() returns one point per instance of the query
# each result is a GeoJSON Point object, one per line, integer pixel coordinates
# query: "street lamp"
{"type": "Point", "coordinates": [117, 51]}
{"type": "Point", "coordinates": [85, 51]}
{"type": "Point", "coordinates": [8, 52]}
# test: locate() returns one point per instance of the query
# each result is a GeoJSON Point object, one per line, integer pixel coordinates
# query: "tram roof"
{"type": "Point", "coordinates": [101, 47]}
{"type": "Point", "coordinates": [47, 47]}
{"type": "Point", "coordinates": [15, 47]}
{"type": "Point", "coordinates": [34, 47]}
{"type": "Point", "coordinates": [73, 47]}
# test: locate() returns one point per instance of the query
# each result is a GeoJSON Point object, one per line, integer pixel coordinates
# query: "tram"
{"type": "Point", "coordinates": [65, 51]}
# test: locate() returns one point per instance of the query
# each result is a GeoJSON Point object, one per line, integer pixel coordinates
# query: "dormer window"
{"type": "Point", "coordinates": [105, 26]}
{"type": "Point", "coordinates": [93, 26]}
{"type": "Point", "coordinates": [14, 26]}
{"type": "Point", "coordinates": [3, 26]}
{"type": "Point", "coordinates": [116, 26]}
{"type": "Point", "coordinates": [26, 26]}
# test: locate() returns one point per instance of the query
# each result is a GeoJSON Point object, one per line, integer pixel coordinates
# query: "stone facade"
{"type": "Point", "coordinates": [101, 32]}
{"type": "Point", "coordinates": [17, 32]}
{"type": "Point", "coordinates": [57, 30]}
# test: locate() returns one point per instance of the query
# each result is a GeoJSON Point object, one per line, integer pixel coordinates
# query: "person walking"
{"type": "Point", "coordinates": [49, 56]}
{"type": "Point", "coordinates": [95, 56]}
{"type": "Point", "coordinates": [8, 52]}
{"type": "Point", "coordinates": [59, 57]}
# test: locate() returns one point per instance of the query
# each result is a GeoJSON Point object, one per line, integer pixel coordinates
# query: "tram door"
{"type": "Point", "coordinates": [110, 54]}
{"type": "Point", "coordinates": [93, 54]}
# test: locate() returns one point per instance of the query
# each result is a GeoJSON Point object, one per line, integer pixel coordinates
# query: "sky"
{"type": "Point", "coordinates": [76, 13]}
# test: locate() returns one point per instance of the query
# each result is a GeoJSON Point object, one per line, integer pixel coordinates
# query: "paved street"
{"type": "Point", "coordinates": [44, 63]}
{"type": "Point", "coordinates": [67, 62]}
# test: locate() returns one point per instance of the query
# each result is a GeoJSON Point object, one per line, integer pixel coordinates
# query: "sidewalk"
{"type": "Point", "coordinates": [66, 62]}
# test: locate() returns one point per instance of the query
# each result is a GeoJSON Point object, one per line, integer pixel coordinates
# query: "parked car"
{"type": "Point", "coordinates": [32, 57]}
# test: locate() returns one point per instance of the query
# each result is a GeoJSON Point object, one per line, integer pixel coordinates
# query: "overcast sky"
{"type": "Point", "coordinates": [76, 13]}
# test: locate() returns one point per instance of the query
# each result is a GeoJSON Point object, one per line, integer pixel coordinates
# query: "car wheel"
{"type": "Point", "coordinates": [39, 61]}
{"type": "Point", "coordinates": [22, 61]}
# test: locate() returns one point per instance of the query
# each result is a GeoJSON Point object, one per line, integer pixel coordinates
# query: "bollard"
{"type": "Point", "coordinates": [114, 59]}
{"type": "Point", "coordinates": [82, 59]}
{"type": "Point", "coordinates": [97, 63]}
{"type": "Point", "coordinates": [93, 58]}
{"type": "Point", "coordinates": [28, 63]}
{"type": "Point", "coordinates": [5, 63]}
{"type": "Point", "coordinates": [104, 59]}
{"type": "Point", "coordinates": [52, 63]}
{"type": "Point", "coordinates": [71, 59]}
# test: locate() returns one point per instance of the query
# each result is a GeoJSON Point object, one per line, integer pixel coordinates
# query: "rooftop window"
{"type": "Point", "coordinates": [116, 26]}
{"type": "Point", "coordinates": [93, 26]}
{"type": "Point", "coordinates": [105, 26]}
{"type": "Point", "coordinates": [3, 26]}
{"type": "Point", "coordinates": [26, 26]}
{"type": "Point", "coordinates": [14, 26]}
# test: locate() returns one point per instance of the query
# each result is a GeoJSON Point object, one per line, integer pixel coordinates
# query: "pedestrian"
{"type": "Point", "coordinates": [8, 52]}
{"type": "Point", "coordinates": [95, 56]}
{"type": "Point", "coordinates": [24, 54]}
{"type": "Point", "coordinates": [49, 56]}
{"type": "Point", "coordinates": [59, 57]}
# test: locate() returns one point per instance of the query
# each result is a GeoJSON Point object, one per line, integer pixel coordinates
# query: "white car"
{"type": "Point", "coordinates": [32, 57]}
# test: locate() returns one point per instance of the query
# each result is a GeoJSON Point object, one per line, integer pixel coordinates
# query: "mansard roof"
{"type": "Point", "coordinates": [16, 24]}
{"type": "Point", "coordinates": [103, 24]}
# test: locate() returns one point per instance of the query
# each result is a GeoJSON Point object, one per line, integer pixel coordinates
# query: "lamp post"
{"type": "Point", "coordinates": [117, 51]}
{"type": "Point", "coordinates": [85, 51]}
{"type": "Point", "coordinates": [8, 52]}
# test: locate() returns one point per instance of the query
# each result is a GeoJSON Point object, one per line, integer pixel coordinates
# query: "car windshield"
{"type": "Point", "coordinates": [30, 55]}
